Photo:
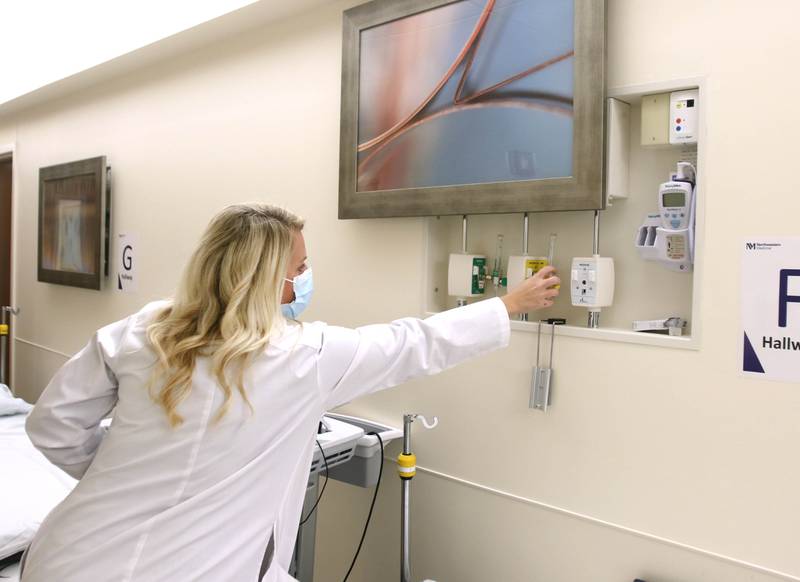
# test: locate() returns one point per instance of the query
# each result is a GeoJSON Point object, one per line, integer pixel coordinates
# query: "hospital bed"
{"type": "Point", "coordinates": [30, 486]}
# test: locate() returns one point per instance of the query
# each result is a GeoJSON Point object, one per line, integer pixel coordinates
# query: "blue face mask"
{"type": "Point", "coordinates": [303, 289]}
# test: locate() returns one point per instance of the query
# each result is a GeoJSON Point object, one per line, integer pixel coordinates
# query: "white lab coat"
{"type": "Point", "coordinates": [200, 502]}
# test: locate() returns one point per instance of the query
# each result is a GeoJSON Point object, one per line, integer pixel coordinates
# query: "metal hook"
{"type": "Point", "coordinates": [409, 418]}
{"type": "Point", "coordinates": [426, 424]}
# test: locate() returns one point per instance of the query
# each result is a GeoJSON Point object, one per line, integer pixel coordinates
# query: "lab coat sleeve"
{"type": "Point", "coordinates": [65, 422]}
{"type": "Point", "coordinates": [354, 362]}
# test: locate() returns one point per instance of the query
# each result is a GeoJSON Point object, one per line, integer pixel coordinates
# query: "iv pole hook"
{"type": "Point", "coordinates": [429, 425]}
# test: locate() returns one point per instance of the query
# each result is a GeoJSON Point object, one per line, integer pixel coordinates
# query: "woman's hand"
{"type": "Point", "coordinates": [534, 293]}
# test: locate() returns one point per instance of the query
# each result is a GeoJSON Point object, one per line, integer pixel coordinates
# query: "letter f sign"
{"type": "Point", "coordinates": [783, 295]}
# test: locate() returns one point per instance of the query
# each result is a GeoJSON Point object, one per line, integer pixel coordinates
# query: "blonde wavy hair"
{"type": "Point", "coordinates": [227, 305]}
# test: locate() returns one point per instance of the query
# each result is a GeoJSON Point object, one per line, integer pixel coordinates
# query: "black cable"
{"type": "Point", "coordinates": [324, 458]}
{"type": "Point", "coordinates": [371, 507]}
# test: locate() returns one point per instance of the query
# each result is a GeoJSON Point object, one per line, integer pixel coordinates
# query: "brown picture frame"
{"type": "Point", "coordinates": [581, 191]}
{"type": "Point", "coordinates": [74, 223]}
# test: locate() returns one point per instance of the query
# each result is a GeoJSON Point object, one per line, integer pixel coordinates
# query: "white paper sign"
{"type": "Point", "coordinates": [771, 308]}
{"type": "Point", "coordinates": [126, 263]}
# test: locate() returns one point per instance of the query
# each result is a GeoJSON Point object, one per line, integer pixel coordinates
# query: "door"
{"type": "Point", "coordinates": [5, 246]}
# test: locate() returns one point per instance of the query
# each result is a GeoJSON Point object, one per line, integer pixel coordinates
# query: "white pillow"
{"type": "Point", "coordinates": [30, 486]}
{"type": "Point", "coordinates": [10, 405]}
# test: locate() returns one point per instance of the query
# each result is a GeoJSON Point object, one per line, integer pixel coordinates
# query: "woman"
{"type": "Point", "coordinates": [216, 396]}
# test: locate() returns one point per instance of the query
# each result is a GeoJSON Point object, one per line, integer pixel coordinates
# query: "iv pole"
{"type": "Point", "coordinates": [5, 310]}
{"type": "Point", "coordinates": [407, 468]}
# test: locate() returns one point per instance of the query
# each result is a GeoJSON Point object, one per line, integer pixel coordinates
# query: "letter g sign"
{"type": "Point", "coordinates": [127, 259]}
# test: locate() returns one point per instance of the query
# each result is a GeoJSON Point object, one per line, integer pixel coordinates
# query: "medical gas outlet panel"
{"type": "Point", "coordinates": [592, 281]}
{"type": "Point", "coordinates": [466, 275]}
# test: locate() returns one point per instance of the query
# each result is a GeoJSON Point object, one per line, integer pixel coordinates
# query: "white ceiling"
{"type": "Point", "coordinates": [54, 47]}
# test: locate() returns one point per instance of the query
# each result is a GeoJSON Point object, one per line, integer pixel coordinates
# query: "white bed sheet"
{"type": "Point", "coordinates": [10, 573]}
{"type": "Point", "coordinates": [30, 486]}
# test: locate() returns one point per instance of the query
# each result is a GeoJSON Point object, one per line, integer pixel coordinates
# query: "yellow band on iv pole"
{"type": "Point", "coordinates": [406, 465]}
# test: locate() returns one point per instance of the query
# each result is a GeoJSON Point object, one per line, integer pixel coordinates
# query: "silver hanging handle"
{"type": "Point", "coordinates": [540, 382]}
{"type": "Point", "coordinates": [538, 341]}
{"type": "Point", "coordinates": [549, 374]}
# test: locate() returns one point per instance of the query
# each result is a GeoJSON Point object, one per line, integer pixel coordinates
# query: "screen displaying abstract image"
{"type": "Point", "coordinates": [69, 238]}
{"type": "Point", "coordinates": [470, 92]}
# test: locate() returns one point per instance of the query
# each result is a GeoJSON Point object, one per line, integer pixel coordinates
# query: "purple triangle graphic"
{"type": "Point", "coordinates": [751, 362]}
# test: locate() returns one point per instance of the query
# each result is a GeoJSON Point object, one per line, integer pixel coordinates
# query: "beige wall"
{"type": "Point", "coordinates": [706, 458]}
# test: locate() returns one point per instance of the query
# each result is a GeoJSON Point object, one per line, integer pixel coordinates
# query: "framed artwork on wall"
{"type": "Point", "coordinates": [465, 107]}
{"type": "Point", "coordinates": [74, 223]}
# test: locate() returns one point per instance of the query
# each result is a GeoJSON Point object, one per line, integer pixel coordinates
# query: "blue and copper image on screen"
{"type": "Point", "coordinates": [471, 92]}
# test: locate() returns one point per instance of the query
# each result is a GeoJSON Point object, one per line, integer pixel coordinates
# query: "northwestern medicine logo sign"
{"type": "Point", "coordinates": [771, 308]}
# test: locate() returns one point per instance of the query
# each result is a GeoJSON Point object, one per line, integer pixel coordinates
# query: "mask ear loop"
{"type": "Point", "coordinates": [293, 293]}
